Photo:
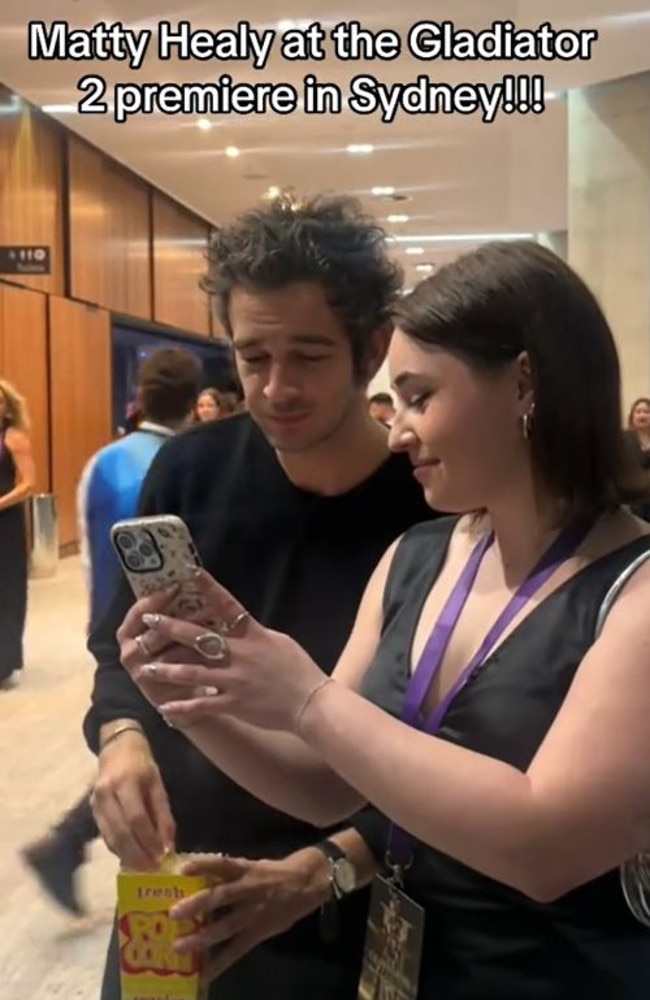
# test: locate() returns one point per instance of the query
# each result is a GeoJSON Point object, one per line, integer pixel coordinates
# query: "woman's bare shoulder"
{"type": "Point", "coordinates": [17, 439]}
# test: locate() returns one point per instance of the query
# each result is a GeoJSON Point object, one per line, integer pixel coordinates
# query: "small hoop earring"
{"type": "Point", "coordinates": [527, 421]}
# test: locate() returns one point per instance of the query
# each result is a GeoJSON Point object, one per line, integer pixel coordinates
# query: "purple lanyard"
{"type": "Point", "coordinates": [400, 843]}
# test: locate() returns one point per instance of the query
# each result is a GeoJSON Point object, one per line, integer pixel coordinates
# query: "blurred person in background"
{"type": "Point", "coordinates": [208, 405]}
{"type": "Point", "coordinates": [231, 403]}
{"type": "Point", "coordinates": [17, 479]}
{"type": "Point", "coordinates": [110, 484]}
{"type": "Point", "coordinates": [382, 408]}
{"type": "Point", "coordinates": [638, 435]}
{"type": "Point", "coordinates": [638, 423]}
{"type": "Point", "coordinates": [168, 383]}
{"type": "Point", "coordinates": [133, 417]}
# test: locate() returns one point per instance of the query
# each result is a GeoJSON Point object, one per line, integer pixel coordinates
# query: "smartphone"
{"type": "Point", "coordinates": [156, 552]}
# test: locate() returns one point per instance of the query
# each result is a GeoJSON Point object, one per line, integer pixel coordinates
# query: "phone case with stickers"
{"type": "Point", "coordinates": [156, 552]}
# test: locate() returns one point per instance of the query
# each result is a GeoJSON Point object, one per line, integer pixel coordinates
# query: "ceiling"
{"type": "Point", "coordinates": [454, 175]}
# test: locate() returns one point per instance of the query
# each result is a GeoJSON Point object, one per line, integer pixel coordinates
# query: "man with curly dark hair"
{"type": "Point", "coordinates": [290, 505]}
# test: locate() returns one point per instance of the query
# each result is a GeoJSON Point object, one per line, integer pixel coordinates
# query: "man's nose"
{"type": "Point", "coordinates": [280, 387]}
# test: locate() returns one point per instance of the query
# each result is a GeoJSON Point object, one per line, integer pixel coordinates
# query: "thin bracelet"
{"type": "Point", "coordinates": [308, 700]}
{"type": "Point", "coordinates": [127, 728]}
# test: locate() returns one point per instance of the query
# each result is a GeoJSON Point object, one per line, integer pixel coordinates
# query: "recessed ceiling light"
{"type": "Point", "coordinates": [231, 151]}
{"type": "Point", "coordinates": [204, 124]}
{"type": "Point", "coordinates": [414, 251]}
{"type": "Point", "coordinates": [462, 238]}
{"type": "Point", "coordinates": [383, 192]}
{"type": "Point", "coordinates": [360, 148]}
{"type": "Point", "coordinates": [59, 109]}
{"type": "Point", "coordinates": [424, 267]}
{"type": "Point", "coordinates": [398, 218]}
{"type": "Point", "coordinates": [291, 24]}
{"type": "Point", "coordinates": [273, 192]}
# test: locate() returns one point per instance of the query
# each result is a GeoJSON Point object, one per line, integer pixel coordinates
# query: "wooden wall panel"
{"type": "Point", "coordinates": [81, 394]}
{"type": "Point", "coordinates": [31, 186]}
{"type": "Point", "coordinates": [179, 244]}
{"type": "Point", "coordinates": [110, 245]}
{"type": "Point", "coordinates": [23, 361]}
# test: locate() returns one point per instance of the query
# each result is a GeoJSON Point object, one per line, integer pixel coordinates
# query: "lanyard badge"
{"type": "Point", "coordinates": [393, 951]}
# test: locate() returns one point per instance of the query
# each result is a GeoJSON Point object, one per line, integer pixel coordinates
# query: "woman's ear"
{"type": "Point", "coordinates": [523, 374]}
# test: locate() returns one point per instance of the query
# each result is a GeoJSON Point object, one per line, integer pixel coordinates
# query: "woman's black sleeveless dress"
{"type": "Point", "coordinates": [13, 571]}
{"type": "Point", "coordinates": [483, 940]}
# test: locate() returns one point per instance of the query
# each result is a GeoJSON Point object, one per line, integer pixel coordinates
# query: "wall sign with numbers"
{"type": "Point", "coordinates": [24, 260]}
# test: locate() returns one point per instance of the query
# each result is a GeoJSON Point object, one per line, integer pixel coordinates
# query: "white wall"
{"type": "Point", "coordinates": [381, 382]}
{"type": "Point", "coordinates": [557, 241]}
{"type": "Point", "coordinates": [609, 222]}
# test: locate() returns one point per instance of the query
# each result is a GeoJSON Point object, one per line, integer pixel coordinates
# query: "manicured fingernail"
{"type": "Point", "coordinates": [149, 669]}
{"type": "Point", "coordinates": [152, 621]}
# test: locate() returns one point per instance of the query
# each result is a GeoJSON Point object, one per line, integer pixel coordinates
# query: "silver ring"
{"type": "Point", "coordinates": [142, 647]}
{"type": "Point", "coordinates": [211, 645]}
{"type": "Point", "coordinates": [229, 627]}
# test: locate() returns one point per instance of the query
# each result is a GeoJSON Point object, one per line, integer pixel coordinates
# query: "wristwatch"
{"type": "Point", "coordinates": [343, 874]}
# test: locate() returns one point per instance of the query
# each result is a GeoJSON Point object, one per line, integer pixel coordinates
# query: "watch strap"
{"type": "Point", "coordinates": [329, 915]}
{"type": "Point", "coordinates": [331, 851]}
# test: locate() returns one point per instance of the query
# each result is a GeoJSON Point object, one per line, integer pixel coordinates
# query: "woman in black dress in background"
{"type": "Point", "coordinates": [638, 424]}
{"type": "Point", "coordinates": [16, 484]}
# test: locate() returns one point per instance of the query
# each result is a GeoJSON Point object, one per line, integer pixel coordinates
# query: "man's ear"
{"type": "Point", "coordinates": [377, 351]}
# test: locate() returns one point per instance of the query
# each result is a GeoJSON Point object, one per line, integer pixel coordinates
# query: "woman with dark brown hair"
{"type": "Point", "coordinates": [16, 484]}
{"type": "Point", "coordinates": [493, 699]}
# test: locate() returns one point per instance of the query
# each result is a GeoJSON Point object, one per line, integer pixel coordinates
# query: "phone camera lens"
{"type": "Point", "coordinates": [125, 541]}
{"type": "Point", "coordinates": [134, 560]}
{"type": "Point", "coordinates": [145, 550]}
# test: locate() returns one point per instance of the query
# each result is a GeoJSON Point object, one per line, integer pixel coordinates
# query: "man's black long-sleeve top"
{"type": "Point", "coordinates": [299, 562]}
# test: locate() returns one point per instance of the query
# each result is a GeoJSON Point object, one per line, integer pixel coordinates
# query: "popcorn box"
{"type": "Point", "coordinates": [150, 969]}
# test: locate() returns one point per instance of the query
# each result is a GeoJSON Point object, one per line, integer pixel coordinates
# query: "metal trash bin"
{"type": "Point", "coordinates": [44, 550]}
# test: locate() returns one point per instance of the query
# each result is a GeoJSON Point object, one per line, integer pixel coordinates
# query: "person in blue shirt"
{"type": "Point", "coordinates": [168, 386]}
{"type": "Point", "coordinates": [110, 484]}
